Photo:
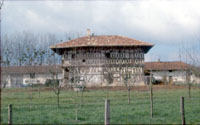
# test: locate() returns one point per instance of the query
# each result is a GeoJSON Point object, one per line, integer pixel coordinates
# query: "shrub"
{"type": "Point", "coordinates": [52, 82]}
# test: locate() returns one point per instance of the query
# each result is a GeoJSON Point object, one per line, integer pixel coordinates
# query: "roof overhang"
{"type": "Point", "coordinates": [60, 50]}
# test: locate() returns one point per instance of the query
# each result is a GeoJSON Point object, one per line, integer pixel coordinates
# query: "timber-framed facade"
{"type": "Point", "coordinates": [99, 60]}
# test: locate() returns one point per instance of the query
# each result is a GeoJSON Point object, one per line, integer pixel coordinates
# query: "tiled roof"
{"type": "Point", "coordinates": [102, 41]}
{"type": "Point", "coordinates": [32, 69]}
{"type": "Point", "coordinates": [177, 65]}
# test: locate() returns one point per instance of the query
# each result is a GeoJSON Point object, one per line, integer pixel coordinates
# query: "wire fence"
{"type": "Point", "coordinates": [166, 110]}
{"type": "Point", "coordinates": [42, 107]}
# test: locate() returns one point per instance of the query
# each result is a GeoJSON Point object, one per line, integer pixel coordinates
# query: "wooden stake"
{"type": "Point", "coordinates": [129, 95]}
{"type": "Point", "coordinates": [189, 88]}
{"type": "Point", "coordinates": [76, 115]}
{"type": "Point", "coordinates": [107, 112]}
{"type": "Point", "coordinates": [182, 110]}
{"type": "Point", "coordinates": [39, 92]}
{"type": "Point", "coordinates": [10, 114]}
{"type": "Point", "coordinates": [151, 95]}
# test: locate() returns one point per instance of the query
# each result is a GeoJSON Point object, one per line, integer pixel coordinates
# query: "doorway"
{"type": "Point", "coordinates": [170, 80]}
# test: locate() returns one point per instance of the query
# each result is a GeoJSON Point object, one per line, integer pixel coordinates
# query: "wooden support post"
{"type": "Point", "coordinates": [189, 88]}
{"type": "Point", "coordinates": [182, 110]}
{"type": "Point", "coordinates": [107, 112]}
{"type": "Point", "coordinates": [10, 114]}
{"type": "Point", "coordinates": [129, 95]}
{"type": "Point", "coordinates": [76, 115]}
{"type": "Point", "coordinates": [39, 92]}
{"type": "Point", "coordinates": [151, 95]}
{"type": "Point", "coordinates": [107, 91]}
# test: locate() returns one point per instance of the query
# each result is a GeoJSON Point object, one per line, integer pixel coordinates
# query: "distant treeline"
{"type": "Point", "coordinates": [28, 48]}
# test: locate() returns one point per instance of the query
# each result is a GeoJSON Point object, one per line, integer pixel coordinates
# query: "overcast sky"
{"type": "Point", "coordinates": [164, 23]}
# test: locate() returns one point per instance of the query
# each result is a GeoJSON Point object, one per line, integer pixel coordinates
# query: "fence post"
{"type": "Point", "coordinates": [107, 112]}
{"type": "Point", "coordinates": [189, 90]}
{"type": "Point", "coordinates": [182, 110]}
{"type": "Point", "coordinates": [151, 95]}
{"type": "Point", "coordinates": [10, 114]}
{"type": "Point", "coordinates": [76, 115]}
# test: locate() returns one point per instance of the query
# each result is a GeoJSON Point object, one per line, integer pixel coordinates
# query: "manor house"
{"type": "Point", "coordinates": [104, 59]}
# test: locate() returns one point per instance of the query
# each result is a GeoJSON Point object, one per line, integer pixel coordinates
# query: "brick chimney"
{"type": "Point", "coordinates": [88, 32]}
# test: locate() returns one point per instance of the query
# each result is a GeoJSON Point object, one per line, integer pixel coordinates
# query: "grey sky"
{"type": "Point", "coordinates": [164, 23]}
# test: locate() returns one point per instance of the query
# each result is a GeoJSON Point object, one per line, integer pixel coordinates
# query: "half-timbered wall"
{"type": "Point", "coordinates": [95, 63]}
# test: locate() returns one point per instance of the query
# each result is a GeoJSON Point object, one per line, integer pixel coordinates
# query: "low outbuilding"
{"type": "Point", "coordinates": [175, 72]}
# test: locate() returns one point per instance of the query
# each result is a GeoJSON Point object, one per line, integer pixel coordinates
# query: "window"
{"type": "Point", "coordinates": [72, 80]}
{"type": "Point", "coordinates": [73, 56]}
{"type": "Point", "coordinates": [107, 55]}
{"type": "Point", "coordinates": [32, 75]}
{"type": "Point", "coordinates": [66, 70]}
{"type": "Point", "coordinates": [83, 60]}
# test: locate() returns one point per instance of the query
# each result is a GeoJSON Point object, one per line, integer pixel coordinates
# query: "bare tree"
{"type": "Point", "coordinates": [71, 35]}
{"type": "Point", "coordinates": [84, 79]}
{"type": "Point", "coordinates": [189, 53]}
{"type": "Point", "coordinates": [5, 77]}
{"type": "Point", "coordinates": [41, 54]}
{"type": "Point", "coordinates": [129, 81]}
{"type": "Point", "coordinates": [8, 54]}
{"type": "Point", "coordinates": [108, 77]}
{"type": "Point", "coordinates": [21, 47]}
{"type": "Point", "coordinates": [56, 84]}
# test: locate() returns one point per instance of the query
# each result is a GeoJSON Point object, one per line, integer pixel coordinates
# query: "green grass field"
{"type": "Point", "coordinates": [44, 110]}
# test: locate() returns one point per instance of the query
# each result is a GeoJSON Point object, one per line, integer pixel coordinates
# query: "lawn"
{"type": "Point", "coordinates": [44, 109]}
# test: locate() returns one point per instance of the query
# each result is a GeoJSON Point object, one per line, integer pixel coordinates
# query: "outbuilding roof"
{"type": "Point", "coordinates": [176, 65]}
{"type": "Point", "coordinates": [32, 69]}
{"type": "Point", "coordinates": [102, 41]}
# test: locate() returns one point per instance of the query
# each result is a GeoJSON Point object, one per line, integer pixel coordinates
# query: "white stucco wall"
{"type": "Point", "coordinates": [177, 76]}
{"type": "Point", "coordinates": [39, 78]}
{"type": "Point", "coordinates": [17, 80]}
{"type": "Point", "coordinates": [195, 79]}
